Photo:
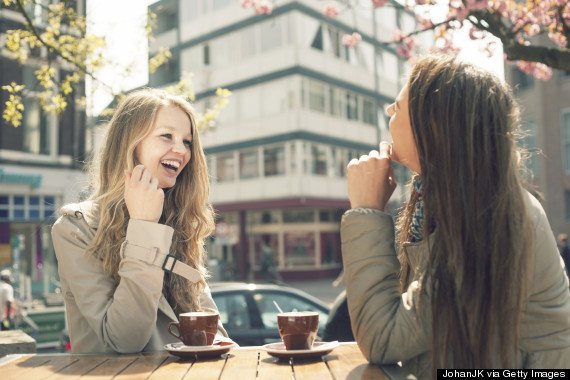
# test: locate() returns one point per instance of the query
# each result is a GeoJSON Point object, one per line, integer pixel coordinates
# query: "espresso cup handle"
{"type": "Point", "coordinates": [177, 324]}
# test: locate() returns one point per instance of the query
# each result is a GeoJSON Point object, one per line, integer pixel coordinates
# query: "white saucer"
{"type": "Point", "coordinates": [319, 349]}
{"type": "Point", "coordinates": [216, 349]}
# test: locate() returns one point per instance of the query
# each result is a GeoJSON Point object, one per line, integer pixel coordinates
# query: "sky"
{"type": "Point", "coordinates": [122, 24]}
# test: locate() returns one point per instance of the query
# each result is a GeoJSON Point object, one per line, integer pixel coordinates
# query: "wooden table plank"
{"type": "Point", "coordinates": [205, 369]}
{"type": "Point", "coordinates": [271, 368]}
{"type": "Point", "coordinates": [311, 369]}
{"type": "Point", "coordinates": [110, 368]}
{"type": "Point", "coordinates": [83, 365]}
{"type": "Point", "coordinates": [51, 365]}
{"type": "Point", "coordinates": [18, 368]}
{"type": "Point", "coordinates": [172, 368]}
{"type": "Point", "coordinates": [241, 364]}
{"type": "Point", "coordinates": [347, 362]}
{"type": "Point", "coordinates": [142, 367]}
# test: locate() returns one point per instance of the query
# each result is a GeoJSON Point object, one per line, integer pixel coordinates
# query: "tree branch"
{"type": "Point", "coordinates": [556, 58]}
{"type": "Point", "coordinates": [55, 49]}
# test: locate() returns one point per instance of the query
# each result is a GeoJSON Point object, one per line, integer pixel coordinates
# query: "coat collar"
{"type": "Point", "coordinates": [88, 209]}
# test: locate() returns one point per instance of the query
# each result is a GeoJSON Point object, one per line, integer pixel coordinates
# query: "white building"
{"type": "Point", "coordinates": [302, 106]}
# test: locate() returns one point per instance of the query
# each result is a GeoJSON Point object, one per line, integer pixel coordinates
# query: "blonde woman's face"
{"type": "Point", "coordinates": [404, 148]}
{"type": "Point", "coordinates": [167, 149]}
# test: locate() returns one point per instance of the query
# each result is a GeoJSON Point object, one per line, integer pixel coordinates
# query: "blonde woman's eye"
{"type": "Point", "coordinates": [167, 136]}
{"type": "Point", "coordinates": [188, 143]}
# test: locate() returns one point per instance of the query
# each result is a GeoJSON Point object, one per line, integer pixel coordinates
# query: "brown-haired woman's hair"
{"type": "Point", "coordinates": [465, 123]}
{"type": "Point", "coordinates": [186, 207]}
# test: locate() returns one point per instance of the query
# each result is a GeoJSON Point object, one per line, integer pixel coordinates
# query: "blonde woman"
{"type": "Point", "coordinates": [131, 257]}
{"type": "Point", "coordinates": [475, 279]}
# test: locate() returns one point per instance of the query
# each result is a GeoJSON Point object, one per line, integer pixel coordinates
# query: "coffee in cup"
{"type": "Point", "coordinates": [196, 328]}
{"type": "Point", "coordinates": [298, 329]}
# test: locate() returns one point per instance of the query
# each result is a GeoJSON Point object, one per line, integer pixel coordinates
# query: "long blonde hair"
{"type": "Point", "coordinates": [186, 208]}
{"type": "Point", "coordinates": [465, 123]}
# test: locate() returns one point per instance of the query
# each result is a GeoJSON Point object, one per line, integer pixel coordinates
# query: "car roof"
{"type": "Point", "coordinates": [218, 287]}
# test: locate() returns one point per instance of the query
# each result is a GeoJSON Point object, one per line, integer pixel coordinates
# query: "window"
{"type": "Point", "coordinates": [566, 139]}
{"type": "Point", "coordinates": [287, 302]}
{"type": "Point", "coordinates": [316, 96]}
{"type": "Point", "coordinates": [298, 216]}
{"type": "Point", "coordinates": [351, 106]}
{"type": "Point", "coordinates": [248, 164]}
{"type": "Point", "coordinates": [299, 248]}
{"type": "Point", "coordinates": [319, 159]}
{"type": "Point", "coordinates": [337, 99]}
{"type": "Point", "coordinates": [368, 111]}
{"type": "Point", "coordinates": [225, 167]}
{"type": "Point", "coordinates": [274, 161]}
{"type": "Point", "coordinates": [318, 40]}
{"type": "Point", "coordinates": [36, 128]}
{"type": "Point", "coordinates": [233, 310]}
{"type": "Point", "coordinates": [27, 207]}
{"type": "Point", "coordinates": [166, 18]}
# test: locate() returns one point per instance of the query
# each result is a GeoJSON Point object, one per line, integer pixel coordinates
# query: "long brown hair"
{"type": "Point", "coordinates": [186, 207]}
{"type": "Point", "coordinates": [465, 123]}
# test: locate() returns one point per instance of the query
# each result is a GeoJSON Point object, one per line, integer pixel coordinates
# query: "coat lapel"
{"type": "Point", "coordinates": [164, 306]}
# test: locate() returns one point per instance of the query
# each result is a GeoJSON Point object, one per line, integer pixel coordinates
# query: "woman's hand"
{"type": "Point", "coordinates": [371, 180]}
{"type": "Point", "coordinates": [143, 197]}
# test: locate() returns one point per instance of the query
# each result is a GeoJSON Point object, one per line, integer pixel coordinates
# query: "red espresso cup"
{"type": "Point", "coordinates": [298, 329]}
{"type": "Point", "coordinates": [196, 328]}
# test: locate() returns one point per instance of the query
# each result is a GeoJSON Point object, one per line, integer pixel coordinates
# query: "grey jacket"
{"type": "Point", "coordinates": [389, 328]}
{"type": "Point", "coordinates": [132, 317]}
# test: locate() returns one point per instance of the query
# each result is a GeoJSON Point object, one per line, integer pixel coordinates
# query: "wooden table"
{"type": "Point", "coordinates": [345, 362]}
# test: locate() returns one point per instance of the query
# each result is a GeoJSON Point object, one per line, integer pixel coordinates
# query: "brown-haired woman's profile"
{"type": "Point", "coordinates": [131, 257]}
{"type": "Point", "coordinates": [471, 278]}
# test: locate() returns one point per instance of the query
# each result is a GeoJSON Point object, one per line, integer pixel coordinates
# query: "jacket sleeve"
{"type": "Point", "coordinates": [386, 323]}
{"type": "Point", "coordinates": [124, 317]}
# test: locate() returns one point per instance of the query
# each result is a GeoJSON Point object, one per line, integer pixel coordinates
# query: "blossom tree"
{"type": "Point", "coordinates": [535, 34]}
{"type": "Point", "coordinates": [63, 33]}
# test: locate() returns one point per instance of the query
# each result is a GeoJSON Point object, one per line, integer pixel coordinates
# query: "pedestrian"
{"type": "Point", "coordinates": [131, 257]}
{"type": "Point", "coordinates": [268, 265]}
{"type": "Point", "coordinates": [6, 299]}
{"type": "Point", "coordinates": [470, 276]}
{"type": "Point", "coordinates": [564, 251]}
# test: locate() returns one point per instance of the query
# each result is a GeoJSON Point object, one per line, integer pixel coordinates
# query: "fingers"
{"type": "Point", "coordinates": [385, 149]}
{"type": "Point", "coordinates": [142, 175]}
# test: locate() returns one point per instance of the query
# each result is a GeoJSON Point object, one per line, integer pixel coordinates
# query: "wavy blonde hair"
{"type": "Point", "coordinates": [186, 208]}
{"type": "Point", "coordinates": [465, 123]}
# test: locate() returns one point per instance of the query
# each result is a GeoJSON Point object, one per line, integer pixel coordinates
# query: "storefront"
{"type": "Point", "coordinates": [303, 240]}
{"type": "Point", "coordinates": [29, 200]}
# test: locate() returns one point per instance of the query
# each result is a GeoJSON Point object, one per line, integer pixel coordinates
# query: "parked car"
{"type": "Point", "coordinates": [249, 314]}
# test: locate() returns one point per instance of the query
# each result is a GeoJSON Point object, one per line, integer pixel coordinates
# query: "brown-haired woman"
{"type": "Point", "coordinates": [131, 257]}
{"type": "Point", "coordinates": [477, 281]}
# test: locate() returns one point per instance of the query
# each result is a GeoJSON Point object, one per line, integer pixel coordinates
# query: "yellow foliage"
{"type": "Point", "coordinates": [159, 59]}
{"type": "Point", "coordinates": [14, 109]}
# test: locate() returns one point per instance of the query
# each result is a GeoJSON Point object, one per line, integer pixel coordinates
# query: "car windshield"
{"type": "Point", "coordinates": [287, 302]}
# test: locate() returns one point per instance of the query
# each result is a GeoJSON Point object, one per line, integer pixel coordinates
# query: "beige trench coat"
{"type": "Point", "coordinates": [130, 318]}
{"type": "Point", "coordinates": [389, 328]}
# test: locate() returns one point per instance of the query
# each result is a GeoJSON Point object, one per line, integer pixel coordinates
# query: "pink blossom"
{"type": "Point", "coordinates": [351, 40]}
{"type": "Point", "coordinates": [475, 33]}
{"type": "Point", "coordinates": [263, 7]}
{"type": "Point", "coordinates": [459, 13]}
{"type": "Point", "coordinates": [406, 44]}
{"type": "Point", "coordinates": [500, 6]}
{"type": "Point", "coordinates": [247, 3]}
{"type": "Point", "coordinates": [558, 38]}
{"type": "Point", "coordinates": [538, 70]}
{"type": "Point", "coordinates": [379, 3]}
{"type": "Point", "coordinates": [477, 5]}
{"type": "Point", "coordinates": [331, 10]}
